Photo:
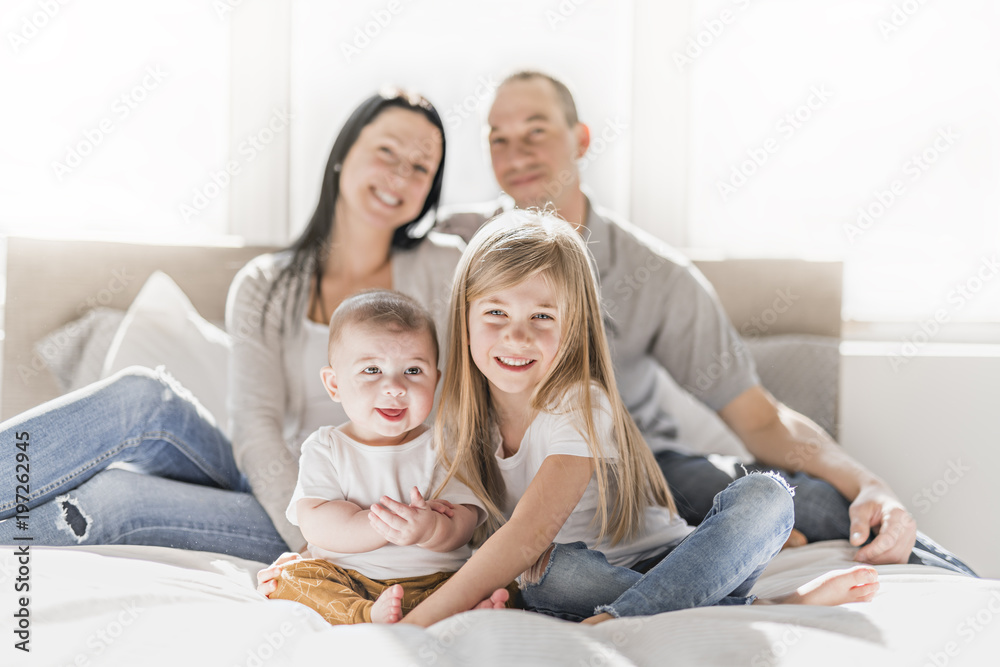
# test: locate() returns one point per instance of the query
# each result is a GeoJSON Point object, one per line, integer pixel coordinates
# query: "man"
{"type": "Point", "coordinates": [673, 320]}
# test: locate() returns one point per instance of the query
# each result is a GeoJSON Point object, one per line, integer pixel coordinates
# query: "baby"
{"type": "Point", "coordinates": [379, 546]}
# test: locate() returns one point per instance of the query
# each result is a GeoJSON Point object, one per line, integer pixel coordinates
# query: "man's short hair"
{"type": "Point", "coordinates": [562, 92]}
{"type": "Point", "coordinates": [384, 309]}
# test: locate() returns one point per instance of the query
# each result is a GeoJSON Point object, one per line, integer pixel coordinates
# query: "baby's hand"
{"type": "Point", "coordinates": [404, 524]}
{"type": "Point", "coordinates": [267, 578]}
{"type": "Point", "coordinates": [442, 507]}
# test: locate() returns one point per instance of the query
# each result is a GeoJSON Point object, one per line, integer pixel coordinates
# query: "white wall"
{"type": "Point", "coordinates": [455, 52]}
{"type": "Point", "coordinates": [259, 106]}
{"type": "Point", "coordinates": [928, 424]}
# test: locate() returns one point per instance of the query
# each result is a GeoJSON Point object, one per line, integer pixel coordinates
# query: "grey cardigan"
{"type": "Point", "coordinates": [266, 375]}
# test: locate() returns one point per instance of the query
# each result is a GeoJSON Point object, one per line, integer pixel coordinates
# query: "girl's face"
{"type": "Point", "coordinates": [388, 172]}
{"type": "Point", "coordinates": [514, 336]}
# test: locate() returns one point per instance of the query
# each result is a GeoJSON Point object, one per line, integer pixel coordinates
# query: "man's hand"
{"type": "Point", "coordinates": [778, 436]}
{"type": "Point", "coordinates": [877, 509]}
{"type": "Point", "coordinates": [405, 524]}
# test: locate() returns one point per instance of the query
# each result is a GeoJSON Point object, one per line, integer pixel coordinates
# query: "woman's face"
{"type": "Point", "coordinates": [387, 174]}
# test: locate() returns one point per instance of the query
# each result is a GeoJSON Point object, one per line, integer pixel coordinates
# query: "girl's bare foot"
{"type": "Point", "coordinates": [496, 601]}
{"type": "Point", "coordinates": [388, 608]}
{"type": "Point", "coordinates": [857, 584]}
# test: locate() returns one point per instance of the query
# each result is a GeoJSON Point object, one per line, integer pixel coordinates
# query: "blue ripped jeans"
{"type": "Point", "coordinates": [175, 484]}
{"type": "Point", "coordinates": [821, 513]}
{"type": "Point", "coordinates": [717, 564]}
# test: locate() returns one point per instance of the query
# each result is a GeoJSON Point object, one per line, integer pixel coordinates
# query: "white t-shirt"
{"type": "Point", "coordinates": [335, 467]}
{"type": "Point", "coordinates": [552, 433]}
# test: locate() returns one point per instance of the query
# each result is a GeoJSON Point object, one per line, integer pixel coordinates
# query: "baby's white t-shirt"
{"type": "Point", "coordinates": [336, 467]}
{"type": "Point", "coordinates": [561, 432]}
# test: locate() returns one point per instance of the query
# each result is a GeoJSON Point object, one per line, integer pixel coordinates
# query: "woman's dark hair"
{"type": "Point", "coordinates": [310, 249]}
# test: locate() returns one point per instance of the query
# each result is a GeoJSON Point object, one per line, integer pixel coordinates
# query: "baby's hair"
{"type": "Point", "coordinates": [513, 247]}
{"type": "Point", "coordinates": [383, 309]}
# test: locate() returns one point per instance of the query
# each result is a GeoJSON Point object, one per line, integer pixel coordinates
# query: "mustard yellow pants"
{"type": "Point", "coordinates": [343, 596]}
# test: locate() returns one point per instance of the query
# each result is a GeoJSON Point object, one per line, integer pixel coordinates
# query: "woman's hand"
{"type": "Point", "coordinates": [266, 583]}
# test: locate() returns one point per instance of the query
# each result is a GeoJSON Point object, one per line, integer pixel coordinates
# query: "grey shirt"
{"type": "Point", "coordinates": [267, 378]}
{"type": "Point", "coordinates": [660, 314]}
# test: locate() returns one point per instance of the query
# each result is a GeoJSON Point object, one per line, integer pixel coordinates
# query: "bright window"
{"type": "Point", "coordinates": [455, 52]}
{"type": "Point", "coordinates": [117, 115]}
{"type": "Point", "coordinates": [867, 131]}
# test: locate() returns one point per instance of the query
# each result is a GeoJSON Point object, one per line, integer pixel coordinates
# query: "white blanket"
{"type": "Point", "coordinates": [139, 606]}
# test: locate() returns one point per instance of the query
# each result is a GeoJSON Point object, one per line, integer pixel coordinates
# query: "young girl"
{"type": "Point", "coordinates": [531, 420]}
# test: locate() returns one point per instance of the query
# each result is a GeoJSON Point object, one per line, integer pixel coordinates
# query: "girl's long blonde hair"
{"type": "Point", "coordinates": [505, 252]}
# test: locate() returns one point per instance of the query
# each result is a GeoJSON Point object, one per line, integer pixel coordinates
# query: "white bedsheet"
{"type": "Point", "coordinates": [138, 606]}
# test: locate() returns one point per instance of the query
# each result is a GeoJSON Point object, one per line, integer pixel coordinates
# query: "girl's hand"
{"type": "Point", "coordinates": [266, 583]}
{"type": "Point", "coordinates": [404, 524]}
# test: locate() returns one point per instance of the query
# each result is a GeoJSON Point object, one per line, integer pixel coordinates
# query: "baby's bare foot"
{"type": "Point", "coordinates": [600, 618]}
{"type": "Point", "coordinates": [795, 539]}
{"type": "Point", "coordinates": [496, 601]}
{"type": "Point", "coordinates": [388, 608]}
{"type": "Point", "coordinates": [857, 584]}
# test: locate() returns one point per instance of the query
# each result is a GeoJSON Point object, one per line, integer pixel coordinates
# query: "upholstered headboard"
{"type": "Point", "coordinates": [52, 282]}
{"type": "Point", "coordinates": [767, 297]}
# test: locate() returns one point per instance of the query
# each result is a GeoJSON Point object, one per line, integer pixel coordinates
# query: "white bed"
{"type": "Point", "coordinates": [118, 605]}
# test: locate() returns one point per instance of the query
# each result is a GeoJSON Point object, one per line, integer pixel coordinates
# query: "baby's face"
{"type": "Point", "coordinates": [384, 379]}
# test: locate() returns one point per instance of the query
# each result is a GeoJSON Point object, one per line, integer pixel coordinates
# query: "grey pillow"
{"type": "Point", "coordinates": [803, 372]}
{"type": "Point", "coordinates": [74, 353]}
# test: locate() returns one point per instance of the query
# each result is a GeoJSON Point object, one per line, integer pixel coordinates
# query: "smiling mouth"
{"type": "Point", "coordinates": [515, 363]}
{"type": "Point", "coordinates": [524, 180]}
{"type": "Point", "coordinates": [392, 414]}
{"type": "Point", "coordinates": [387, 198]}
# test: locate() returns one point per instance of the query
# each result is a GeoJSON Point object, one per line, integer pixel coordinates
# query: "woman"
{"type": "Point", "coordinates": [179, 481]}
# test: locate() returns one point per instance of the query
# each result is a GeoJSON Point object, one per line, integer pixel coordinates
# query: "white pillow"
{"type": "Point", "coordinates": [162, 328]}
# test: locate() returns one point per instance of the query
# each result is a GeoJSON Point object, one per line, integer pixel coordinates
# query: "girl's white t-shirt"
{"type": "Point", "coordinates": [336, 467]}
{"type": "Point", "coordinates": [561, 432]}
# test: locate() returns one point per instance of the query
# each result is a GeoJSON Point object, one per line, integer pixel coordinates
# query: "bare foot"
{"type": "Point", "coordinates": [496, 601]}
{"type": "Point", "coordinates": [857, 584]}
{"type": "Point", "coordinates": [795, 539]}
{"type": "Point", "coordinates": [594, 620]}
{"type": "Point", "coordinates": [388, 608]}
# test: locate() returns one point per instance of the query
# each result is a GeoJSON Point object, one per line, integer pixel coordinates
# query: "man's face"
{"type": "Point", "coordinates": [532, 147]}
